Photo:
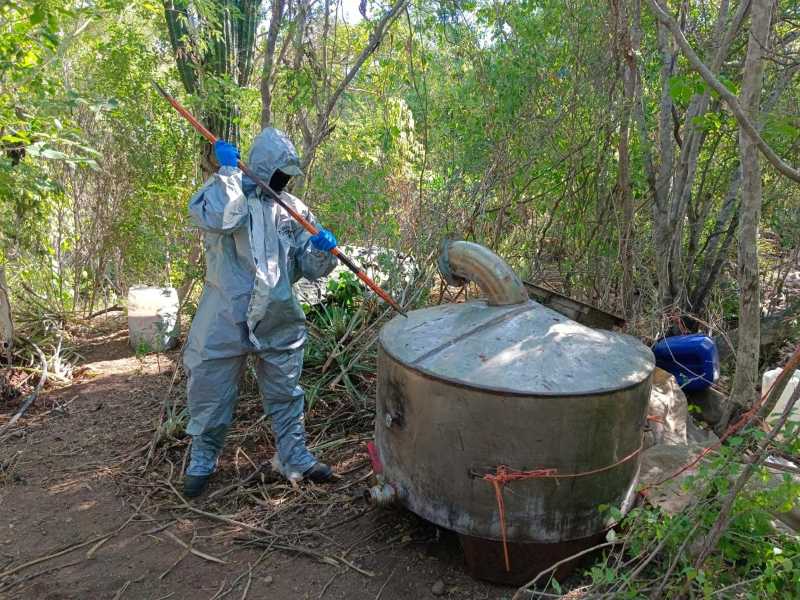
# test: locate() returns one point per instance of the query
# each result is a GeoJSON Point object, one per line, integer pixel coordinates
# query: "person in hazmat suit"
{"type": "Point", "coordinates": [254, 251]}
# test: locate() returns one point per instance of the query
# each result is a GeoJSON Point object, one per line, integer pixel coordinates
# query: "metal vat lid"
{"type": "Point", "coordinates": [524, 349]}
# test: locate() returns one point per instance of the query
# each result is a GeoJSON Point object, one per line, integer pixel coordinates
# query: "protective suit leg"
{"type": "Point", "coordinates": [278, 376]}
{"type": "Point", "coordinates": [205, 450]}
{"type": "Point", "coordinates": [212, 390]}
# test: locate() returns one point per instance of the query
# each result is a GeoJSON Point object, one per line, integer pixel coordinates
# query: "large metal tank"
{"type": "Point", "coordinates": [465, 388]}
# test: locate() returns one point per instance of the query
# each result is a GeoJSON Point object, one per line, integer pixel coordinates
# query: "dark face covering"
{"type": "Point", "coordinates": [279, 180]}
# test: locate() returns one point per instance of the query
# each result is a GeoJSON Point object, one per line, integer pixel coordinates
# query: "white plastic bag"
{"type": "Point", "coordinates": [768, 379]}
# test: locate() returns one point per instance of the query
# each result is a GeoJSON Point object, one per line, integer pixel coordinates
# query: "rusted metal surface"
{"type": "Point", "coordinates": [524, 349]}
{"type": "Point", "coordinates": [583, 313]}
{"type": "Point", "coordinates": [437, 440]}
{"type": "Point", "coordinates": [461, 262]}
{"type": "Point", "coordinates": [484, 558]}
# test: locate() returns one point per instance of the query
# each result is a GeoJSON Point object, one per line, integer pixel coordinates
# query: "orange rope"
{"type": "Point", "coordinates": [504, 475]}
{"type": "Point", "coordinates": [499, 479]}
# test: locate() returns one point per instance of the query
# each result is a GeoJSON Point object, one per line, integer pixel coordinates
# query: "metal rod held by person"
{"type": "Point", "coordinates": [307, 225]}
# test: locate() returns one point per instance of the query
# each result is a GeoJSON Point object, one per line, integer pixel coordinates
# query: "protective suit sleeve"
{"type": "Point", "coordinates": [220, 206]}
{"type": "Point", "coordinates": [310, 262]}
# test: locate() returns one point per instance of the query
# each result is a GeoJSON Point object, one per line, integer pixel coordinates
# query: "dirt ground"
{"type": "Point", "coordinates": [80, 517]}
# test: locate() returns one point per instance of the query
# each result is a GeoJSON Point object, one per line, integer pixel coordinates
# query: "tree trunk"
{"type": "Point", "coordinates": [673, 183]}
{"type": "Point", "coordinates": [629, 37]}
{"type": "Point", "coordinates": [720, 240]}
{"type": "Point", "coordinates": [6, 324]}
{"type": "Point", "coordinates": [268, 72]}
{"type": "Point", "coordinates": [662, 225]}
{"type": "Point", "coordinates": [717, 244]}
{"type": "Point", "coordinates": [739, 112]}
{"type": "Point", "coordinates": [745, 380]}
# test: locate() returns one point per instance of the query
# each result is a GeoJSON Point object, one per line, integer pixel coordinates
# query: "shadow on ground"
{"type": "Point", "coordinates": [82, 519]}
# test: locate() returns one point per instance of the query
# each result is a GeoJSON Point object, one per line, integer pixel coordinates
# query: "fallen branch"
{"type": "Point", "coordinates": [115, 308]}
{"type": "Point", "coordinates": [241, 483]}
{"type": "Point", "coordinates": [385, 583]}
{"type": "Point", "coordinates": [247, 585]}
{"type": "Point", "coordinates": [157, 433]}
{"type": "Point", "coordinates": [250, 568]}
{"type": "Point", "coordinates": [189, 548]}
{"type": "Point", "coordinates": [26, 404]}
{"type": "Point", "coordinates": [40, 573]}
{"type": "Point", "coordinates": [217, 517]}
{"type": "Point", "coordinates": [192, 549]}
{"type": "Point", "coordinates": [93, 550]}
{"type": "Point", "coordinates": [42, 559]}
{"type": "Point", "coordinates": [35, 371]}
{"type": "Point", "coordinates": [334, 561]}
{"type": "Point", "coordinates": [525, 589]}
{"type": "Point", "coordinates": [74, 547]}
{"type": "Point", "coordinates": [328, 584]}
{"type": "Point", "coordinates": [658, 593]}
{"type": "Point", "coordinates": [121, 590]}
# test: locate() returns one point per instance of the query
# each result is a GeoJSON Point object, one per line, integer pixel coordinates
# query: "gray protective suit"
{"type": "Point", "coordinates": [255, 251]}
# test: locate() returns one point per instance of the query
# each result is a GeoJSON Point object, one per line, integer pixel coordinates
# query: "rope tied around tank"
{"type": "Point", "coordinates": [504, 475]}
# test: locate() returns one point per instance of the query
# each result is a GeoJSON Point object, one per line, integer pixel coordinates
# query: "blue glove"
{"type": "Point", "coordinates": [227, 154]}
{"type": "Point", "coordinates": [324, 240]}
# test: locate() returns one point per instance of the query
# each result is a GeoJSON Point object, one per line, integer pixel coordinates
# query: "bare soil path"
{"type": "Point", "coordinates": [72, 473]}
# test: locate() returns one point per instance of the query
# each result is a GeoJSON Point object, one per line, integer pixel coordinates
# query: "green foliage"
{"type": "Point", "coordinates": [682, 88]}
{"type": "Point", "coordinates": [173, 427]}
{"type": "Point", "coordinates": [495, 122]}
{"type": "Point", "coordinates": [142, 349]}
{"type": "Point", "coordinates": [90, 195]}
{"type": "Point", "coordinates": [344, 292]}
{"type": "Point", "coordinates": [756, 558]}
{"type": "Point", "coordinates": [36, 128]}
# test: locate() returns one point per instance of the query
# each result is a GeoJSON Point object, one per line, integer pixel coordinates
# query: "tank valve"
{"type": "Point", "coordinates": [382, 494]}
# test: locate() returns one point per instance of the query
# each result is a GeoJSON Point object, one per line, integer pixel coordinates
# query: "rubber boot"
{"type": "Point", "coordinates": [203, 460]}
{"type": "Point", "coordinates": [194, 485]}
{"type": "Point", "coordinates": [319, 473]}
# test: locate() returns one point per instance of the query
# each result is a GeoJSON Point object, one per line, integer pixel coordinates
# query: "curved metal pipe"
{"type": "Point", "coordinates": [461, 262]}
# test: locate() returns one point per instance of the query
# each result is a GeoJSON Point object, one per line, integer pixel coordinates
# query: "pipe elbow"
{"type": "Point", "coordinates": [461, 262]}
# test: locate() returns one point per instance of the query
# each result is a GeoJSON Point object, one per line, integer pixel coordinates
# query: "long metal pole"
{"type": "Point", "coordinates": [307, 225]}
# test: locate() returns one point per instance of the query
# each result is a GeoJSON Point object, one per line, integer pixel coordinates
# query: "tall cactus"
{"type": "Point", "coordinates": [214, 44]}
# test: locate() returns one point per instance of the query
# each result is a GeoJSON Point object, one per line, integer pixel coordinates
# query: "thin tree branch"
{"type": "Point", "coordinates": [725, 513]}
{"type": "Point", "coordinates": [322, 129]}
{"type": "Point", "coordinates": [729, 98]}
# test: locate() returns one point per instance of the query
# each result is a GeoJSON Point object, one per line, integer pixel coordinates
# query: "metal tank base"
{"type": "Point", "coordinates": [485, 560]}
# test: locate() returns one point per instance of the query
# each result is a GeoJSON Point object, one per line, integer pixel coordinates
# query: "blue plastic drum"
{"type": "Point", "coordinates": [692, 359]}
